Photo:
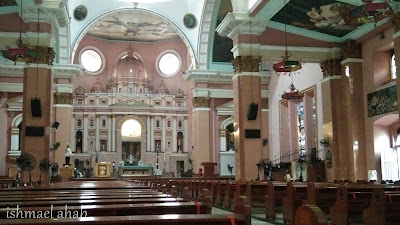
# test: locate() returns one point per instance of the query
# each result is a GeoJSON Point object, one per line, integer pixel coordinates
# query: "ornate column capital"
{"type": "Point", "coordinates": [199, 102]}
{"type": "Point", "coordinates": [331, 67]}
{"type": "Point", "coordinates": [264, 103]}
{"type": "Point", "coordinates": [350, 49]}
{"type": "Point", "coordinates": [63, 98]}
{"type": "Point", "coordinates": [396, 21]}
{"type": "Point", "coordinates": [246, 64]}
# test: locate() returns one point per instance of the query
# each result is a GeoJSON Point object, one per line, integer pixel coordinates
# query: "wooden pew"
{"type": "Point", "coordinates": [309, 214]}
{"type": "Point", "coordinates": [296, 195]}
{"type": "Point", "coordinates": [88, 202]}
{"type": "Point", "coordinates": [322, 195]}
{"type": "Point", "coordinates": [242, 217]}
{"type": "Point", "coordinates": [176, 219]}
{"type": "Point", "coordinates": [350, 203]}
{"type": "Point", "coordinates": [384, 208]}
{"type": "Point", "coordinates": [273, 200]}
{"type": "Point", "coordinates": [255, 192]}
{"type": "Point", "coordinates": [113, 209]}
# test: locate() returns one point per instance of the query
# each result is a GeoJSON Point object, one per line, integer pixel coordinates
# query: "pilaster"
{"type": "Point", "coordinates": [201, 130]}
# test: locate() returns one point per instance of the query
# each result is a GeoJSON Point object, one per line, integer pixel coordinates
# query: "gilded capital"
{"type": "Point", "coordinates": [246, 64]}
{"type": "Point", "coordinates": [63, 98]}
{"type": "Point", "coordinates": [331, 67]}
{"type": "Point", "coordinates": [350, 49]}
{"type": "Point", "coordinates": [396, 21]}
{"type": "Point", "coordinates": [201, 102]}
{"type": "Point", "coordinates": [264, 103]}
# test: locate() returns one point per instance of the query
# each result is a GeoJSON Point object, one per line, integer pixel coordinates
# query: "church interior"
{"type": "Point", "coordinates": [222, 90]}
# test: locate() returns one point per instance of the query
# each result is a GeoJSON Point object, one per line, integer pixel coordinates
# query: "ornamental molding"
{"type": "Point", "coordinates": [201, 102]}
{"type": "Point", "coordinates": [246, 64]}
{"type": "Point", "coordinates": [220, 93]}
{"type": "Point", "coordinates": [331, 67]}
{"type": "Point", "coordinates": [213, 76]}
{"type": "Point", "coordinates": [63, 98]}
{"type": "Point", "coordinates": [235, 23]}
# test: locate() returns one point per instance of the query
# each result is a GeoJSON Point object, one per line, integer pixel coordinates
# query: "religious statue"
{"type": "Point", "coordinates": [130, 159]}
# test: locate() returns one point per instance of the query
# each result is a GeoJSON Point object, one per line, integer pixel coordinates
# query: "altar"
{"type": "Point", "coordinates": [130, 171]}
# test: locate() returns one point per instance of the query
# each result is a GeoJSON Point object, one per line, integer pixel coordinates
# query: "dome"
{"type": "Point", "coordinates": [129, 66]}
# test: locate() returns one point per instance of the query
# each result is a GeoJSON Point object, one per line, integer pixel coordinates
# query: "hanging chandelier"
{"type": "Point", "coordinates": [286, 65]}
{"type": "Point", "coordinates": [293, 94]}
{"type": "Point", "coordinates": [369, 12]}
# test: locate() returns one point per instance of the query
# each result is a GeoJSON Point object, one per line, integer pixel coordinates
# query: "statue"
{"type": "Point", "coordinates": [130, 159]}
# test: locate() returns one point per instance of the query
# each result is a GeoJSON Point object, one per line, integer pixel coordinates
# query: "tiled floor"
{"type": "Point", "coordinates": [253, 221]}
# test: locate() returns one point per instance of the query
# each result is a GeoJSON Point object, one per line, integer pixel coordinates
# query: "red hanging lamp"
{"type": "Point", "coordinates": [287, 65]}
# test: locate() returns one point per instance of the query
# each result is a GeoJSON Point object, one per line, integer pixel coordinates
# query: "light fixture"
{"type": "Point", "coordinates": [286, 65]}
{"type": "Point", "coordinates": [293, 94]}
{"type": "Point", "coordinates": [369, 12]}
{"type": "Point", "coordinates": [19, 53]}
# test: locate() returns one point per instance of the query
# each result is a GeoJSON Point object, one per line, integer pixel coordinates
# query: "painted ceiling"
{"type": "Point", "coordinates": [329, 17]}
{"type": "Point", "coordinates": [129, 26]}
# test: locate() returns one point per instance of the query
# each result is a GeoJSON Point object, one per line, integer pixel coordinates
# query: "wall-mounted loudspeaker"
{"type": "Point", "coordinates": [252, 111]}
{"type": "Point", "coordinates": [55, 125]}
{"type": "Point", "coordinates": [35, 107]}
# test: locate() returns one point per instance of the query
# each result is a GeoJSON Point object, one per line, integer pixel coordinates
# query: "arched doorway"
{"type": "Point", "coordinates": [227, 151]}
{"type": "Point", "coordinates": [78, 140]}
{"type": "Point", "coordinates": [131, 136]}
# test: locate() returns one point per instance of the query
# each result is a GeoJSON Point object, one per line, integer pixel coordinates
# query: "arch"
{"type": "Point", "coordinates": [226, 123]}
{"type": "Point", "coordinates": [185, 40]}
{"type": "Point", "coordinates": [17, 120]}
{"type": "Point", "coordinates": [132, 117]}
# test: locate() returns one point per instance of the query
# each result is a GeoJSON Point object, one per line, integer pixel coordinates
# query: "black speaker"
{"type": "Point", "coordinates": [55, 125]}
{"type": "Point", "coordinates": [36, 108]}
{"type": "Point", "coordinates": [34, 131]}
{"type": "Point", "coordinates": [252, 111]}
{"type": "Point", "coordinates": [252, 133]}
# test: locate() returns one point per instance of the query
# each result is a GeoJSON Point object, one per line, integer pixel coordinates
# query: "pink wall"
{"type": "Point", "coordinates": [147, 51]}
{"type": "Point", "coordinates": [308, 76]}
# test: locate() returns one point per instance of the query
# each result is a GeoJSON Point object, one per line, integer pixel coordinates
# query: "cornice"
{"type": "Point", "coordinates": [237, 23]}
{"type": "Point", "coordinates": [9, 68]}
{"type": "Point", "coordinates": [11, 87]}
{"type": "Point", "coordinates": [220, 93]}
{"type": "Point", "coordinates": [210, 76]}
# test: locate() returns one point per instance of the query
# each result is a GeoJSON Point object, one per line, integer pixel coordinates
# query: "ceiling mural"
{"type": "Point", "coordinates": [7, 2]}
{"type": "Point", "coordinates": [131, 26]}
{"type": "Point", "coordinates": [328, 16]}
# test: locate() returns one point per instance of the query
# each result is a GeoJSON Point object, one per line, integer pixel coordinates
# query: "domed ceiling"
{"type": "Point", "coordinates": [132, 26]}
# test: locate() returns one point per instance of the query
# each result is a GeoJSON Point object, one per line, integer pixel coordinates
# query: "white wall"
{"type": "Point", "coordinates": [309, 75]}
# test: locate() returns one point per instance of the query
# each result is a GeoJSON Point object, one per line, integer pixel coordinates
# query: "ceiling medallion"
{"type": "Point", "coordinates": [293, 94]}
{"type": "Point", "coordinates": [80, 13]}
{"type": "Point", "coordinates": [189, 20]}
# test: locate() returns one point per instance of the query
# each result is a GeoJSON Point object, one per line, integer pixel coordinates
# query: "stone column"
{"type": "Point", "coordinates": [72, 135]}
{"type": "Point", "coordinates": [85, 133]}
{"type": "Point", "coordinates": [151, 133]}
{"type": "Point", "coordinates": [245, 31]}
{"type": "Point", "coordinates": [356, 154]}
{"type": "Point", "coordinates": [113, 143]}
{"type": "Point", "coordinates": [265, 130]}
{"type": "Point", "coordinates": [63, 115]}
{"type": "Point", "coordinates": [109, 134]}
{"type": "Point", "coordinates": [36, 138]}
{"type": "Point", "coordinates": [185, 135]}
{"type": "Point", "coordinates": [222, 134]}
{"type": "Point", "coordinates": [246, 91]}
{"type": "Point", "coordinates": [174, 135]}
{"type": "Point", "coordinates": [163, 131]}
{"type": "Point", "coordinates": [201, 129]}
{"type": "Point", "coordinates": [148, 147]}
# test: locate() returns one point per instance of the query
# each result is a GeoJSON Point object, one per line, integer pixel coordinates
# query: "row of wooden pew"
{"type": "Point", "coordinates": [108, 202]}
{"type": "Point", "coordinates": [342, 203]}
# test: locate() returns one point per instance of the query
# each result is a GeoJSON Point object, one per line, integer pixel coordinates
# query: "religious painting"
{"type": "Point", "coordinates": [326, 16]}
{"type": "Point", "coordinates": [382, 101]}
{"type": "Point", "coordinates": [7, 3]}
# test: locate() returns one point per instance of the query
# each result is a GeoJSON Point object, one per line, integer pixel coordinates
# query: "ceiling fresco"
{"type": "Point", "coordinates": [129, 26]}
{"type": "Point", "coordinates": [330, 17]}
{"type": "Point", "coordinates": [7, 3]}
